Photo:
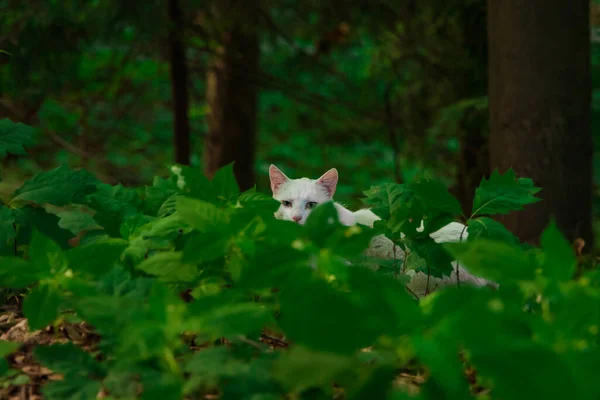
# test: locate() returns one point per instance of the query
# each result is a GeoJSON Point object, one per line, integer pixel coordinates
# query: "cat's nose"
{"type": "Point", "coordinates": [297, 218]}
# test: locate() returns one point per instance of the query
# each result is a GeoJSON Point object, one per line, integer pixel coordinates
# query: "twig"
{"type": "Point", "coordinates": [413, 293]}
{"type": "Point", "coordinates": [458, 262]}
{"type": "Point", "coordinates": [250, 342]}
{"type": "Point", "coordinates": [275, 339]}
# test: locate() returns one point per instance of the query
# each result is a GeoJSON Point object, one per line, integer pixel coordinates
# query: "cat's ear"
{"type": "Point", "coordinates": [277, 177]}
{"type": "Point", "coordinates": [329, 181]}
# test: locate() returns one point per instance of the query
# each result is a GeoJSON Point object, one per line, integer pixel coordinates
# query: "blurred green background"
{"type": "Point", "coordinates": [356, 85]}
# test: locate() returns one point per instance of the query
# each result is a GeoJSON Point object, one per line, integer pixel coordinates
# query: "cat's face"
{"type": "Point", "coordinates": [298, 197]}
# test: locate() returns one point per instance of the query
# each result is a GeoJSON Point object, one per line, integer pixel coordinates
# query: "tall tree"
{"type": "Point", "coordinates": [540, 93]}
{"type": "Point", "coordinates": [232, 94]}
{"type": "Point", "coordinates": [179, 84]}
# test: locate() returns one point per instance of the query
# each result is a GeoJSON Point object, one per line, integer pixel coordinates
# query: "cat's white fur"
{"type": "Point", "coordinates": [296, 195]}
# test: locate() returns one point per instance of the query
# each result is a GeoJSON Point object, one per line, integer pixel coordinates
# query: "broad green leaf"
{"type": "Point", "coordinates": [323, 319]}
{"type": "Point", "coordinates": [72, 388]}
{"type": "Point", "coordinates": [322, 221]}
{"type": "Point", "coordinates": [7, 347]}
{"type": "Point", "coordinates": [112, 205]}
{"type": "Point", "coordinates": [193, 183]}
{"type": "Point", "coordinates": [487, 228]}
{"type": "Point", "coordinates": [47, 254]}
{"type": "Point", "coordinates": [30, 219]}
{"type": "Point", "coordinates": [383, 199]}
{"type": "Point", "coordinates": [40, 307]}
{"type": "Point", "coordinates": [559, 257]}
{"type": "Point", "coordinates": [498, 261]}
{"type": "Point", "coordinates": [438, 262]}
{"type": "Point", "coordinates": [236, 319]}
{"type": "Point", "coordinates": [213, 365]}
{"type": "Point", "coordinates": [69, 359]}
{"type": "Point", "coordinates": [7, 229]}
{"type": "Point", "coordinates": [18, 273]}
{"type": "Point", "coordinates": [435, 196]}
{"type": "Point", "coordinates": [169, 267]}
{"type": "Point", "coordinates": [204, 247]}
{"type": "Point", "coordinates": [14, 137]}
{"type": "Point", "coordinates": [224, 183]}
{"type": "Point", "coordinates": [301, 368]}
{"type": "Point", "coordinates": [445, 368]}
{"type": "Point", "coordinates": [96, 258]}
{"type": "Point", "coordinates": [58, 187]}
{"type": "Point", "coordinates": [76, 221]}
{"type": "Point", "coordinates": [502, 194]}
{"type": "Point", "coordinates": [157, 194]}
{"type": "Point", "coordinates": [203, 216]}
{"type": "Point", "coordinates": [541, 372]}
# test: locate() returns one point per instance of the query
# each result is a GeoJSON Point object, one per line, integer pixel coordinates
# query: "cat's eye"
{"type": "Point", "coordinates": [286, 203]}
{"type": "Point", "coordinates": [311, 204]}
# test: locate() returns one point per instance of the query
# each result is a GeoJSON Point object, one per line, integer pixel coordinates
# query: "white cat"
{"type": "Point", "coordinates": [298, 197]}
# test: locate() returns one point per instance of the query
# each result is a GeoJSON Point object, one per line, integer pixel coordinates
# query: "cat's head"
{"type": "Point", "coordinates": [299, 196]}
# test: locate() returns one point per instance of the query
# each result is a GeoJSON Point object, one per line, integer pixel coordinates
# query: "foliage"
{"type": "Point", "coordinates": [247, 271]}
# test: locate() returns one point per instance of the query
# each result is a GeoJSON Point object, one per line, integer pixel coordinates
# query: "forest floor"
{"type": "Point", "coordinates": [28, 376]}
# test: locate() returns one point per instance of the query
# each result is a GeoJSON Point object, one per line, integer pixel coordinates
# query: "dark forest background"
{"type": "Point", "coordinates": [382, 90]}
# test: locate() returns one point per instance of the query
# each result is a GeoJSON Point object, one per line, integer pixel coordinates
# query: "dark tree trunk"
{"type": "Point", "coordinates": [179, 85]}
{"type": "Point", "coordinates": [474, 162]}
{"type": "Point", "coordinates": [540, 90]}
{"type": "Point", "coordinates": [232, 94]}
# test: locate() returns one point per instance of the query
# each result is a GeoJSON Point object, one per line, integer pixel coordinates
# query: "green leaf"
{"type": "Point", "coordinates": [30, 219]}
{"type": "Point", "coordinates": [77, 221]}
{"type": "Point", "coordinates": [498, 261]}
{"type": "Point", "coordinates": [224, 183]}
{"type": "Point", "coordinates": [169, 267]}
{"type": "Point", "coordinates": [7, 229]}
{"type": "Point", "coordinates": [542, 373]}
{"type": "Point", "coordinates": [193, 183]}
{"type": "Point", "coordinates": [502, 194]}
{"type": "Point", "coordinates": [325, 320]}
{"type": "Point", "coordinates": [96, 258]}
{"type": "Point", "coordinates": [202, 216]}
{"type": "Point", "coordinates": [7, 347]}
{"type": "Point", "coordinates": [301, 368]}
{"type": "Point", "coordinates": [222, 315]}
{"type": "Point", "coordinates": [435, 197]}
{"type": "Point", "coordinates": [321, 223]}
{"type": "Point", "coordinates": [204, 247]}
{"type": "Point", "coordinates": [71, 389]}
{"type": "Point", "coordinates": [40, 307]}
{"type": "Point", "coordinates": [46, 255]}
{"type": "Point", "coordinates": [113, 204]}
{"type": "Point", "coordinates": [438, 261]}
{"type": "Point", "coordinates": [559, 259]}
{"type": "Point", "coordinates": [487, 228]}
{"type": "Point", "coordinates": [58, 187]}
{"type": "Point", "coordinates": [18, 273]}
{"type": "Point", "coordinates": [382, 199]}
{"type": "Point", "coordinates": [14, 137]}
{"type": "Point", "coordinates": [69, 359]}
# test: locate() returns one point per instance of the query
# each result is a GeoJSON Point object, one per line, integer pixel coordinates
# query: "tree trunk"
{"type": "Point", "coordinates": [474, 144]}
{"type": "Point", "coordinates": [540, 93]}
{"type": "Point", "coordinates": [232, 94]}
{"type": "Point", "coordinates": [179, 85]}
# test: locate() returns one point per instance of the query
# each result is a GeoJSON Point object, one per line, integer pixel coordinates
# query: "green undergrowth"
{"type": "Point", "coordinates": [139, 249]}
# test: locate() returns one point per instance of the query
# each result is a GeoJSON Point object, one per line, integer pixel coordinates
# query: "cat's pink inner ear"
{"type": "Point", "coordinates": [277, 177]}
{"type": "Point", "coordinates": [329, 181]}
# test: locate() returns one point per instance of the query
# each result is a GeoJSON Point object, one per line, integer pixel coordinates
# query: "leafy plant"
{"type": "Point", "coordinates": [246, 273]}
